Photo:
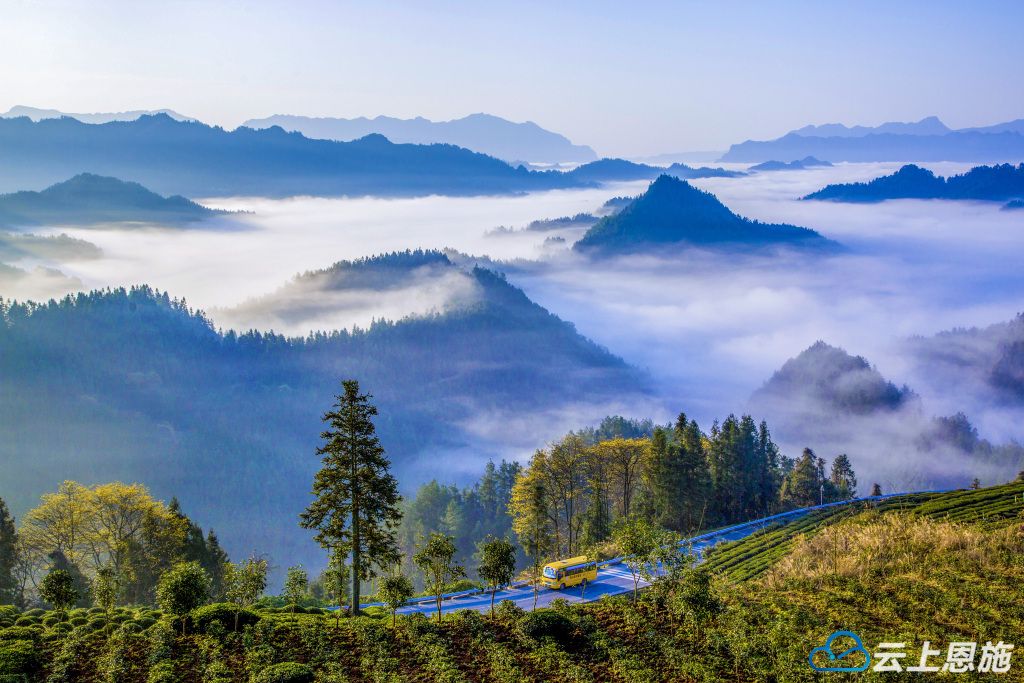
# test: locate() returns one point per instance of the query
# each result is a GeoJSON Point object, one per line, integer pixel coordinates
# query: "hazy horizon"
{"type": "Point", "coordinates": [651, 80]}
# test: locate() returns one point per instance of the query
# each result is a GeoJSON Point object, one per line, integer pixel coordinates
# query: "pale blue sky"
{"type": "Point", "coordinates": [626, 78]}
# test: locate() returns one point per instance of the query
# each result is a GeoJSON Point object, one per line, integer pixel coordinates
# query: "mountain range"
{"type": "Point", "coordinates": [992, 183]}
{"type": "Point", "coordinates": [498, 137]}
{"type": "Point", "coordinates": [925, 140]}
{"type": "Point", "coordinates": [133, 385]}
{"type": "Point", "coordinates": [37, 114]}
{"type": "Point", "coordinates": [88, 198]}
{"type": "Point", "coordinates": [673, 212]}
{"type": "Point", "coordinates": [193, 159]}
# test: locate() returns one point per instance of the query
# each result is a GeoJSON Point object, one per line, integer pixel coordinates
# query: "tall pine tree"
{"type": "Point", "coordinates": [356, 506]}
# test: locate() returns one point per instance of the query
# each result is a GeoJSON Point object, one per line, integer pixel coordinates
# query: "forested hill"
{"type": "Point", "coordinates": [674, 212]}
{"type": "Point", "coordinates": [833, 400]}
{"type": "Point", "coordinates": [89, 198]}
{"type": "Point", "coordinates": [193, 159]}
{"type": "Point", "coordinates": [994, 183]}
{"type": "Point", "coordinates": [133, 386]}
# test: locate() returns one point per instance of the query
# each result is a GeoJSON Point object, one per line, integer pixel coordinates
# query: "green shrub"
{"type": "Point", "coordinates": [162, 672]}
{"type": "Point", "coordinates": [37, 612]}
{"type": "Point", "coordinates": [8, 612]}
{"type": "Point", "coordinates": [145, 622]}
{"type": "Point", "coordinates": [285, 672]}
{"type": "Point", "coordinates": [20, 633]}
{"type": "Point", "coordinates": [78, 621]}
{"type": "Point", "coordinates": [545, 624]}
{"type": "Point", "coordinates": [509, 610]}
{"type": "Point", "coordinates": [18, 657]}
{"type": "Point", "coordinates": [26, 621]}
{"type": "Point", "coordinates": [224, 614]}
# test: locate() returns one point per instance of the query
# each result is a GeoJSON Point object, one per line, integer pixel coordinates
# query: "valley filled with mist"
{"type": "Point", "coordinates": [485, 331]}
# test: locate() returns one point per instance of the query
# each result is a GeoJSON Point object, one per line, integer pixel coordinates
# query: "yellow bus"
{"type": "Point", "coordinates": [571, 572]}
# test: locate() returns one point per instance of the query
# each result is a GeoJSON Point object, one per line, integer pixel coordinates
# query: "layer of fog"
{"type": "Point", "coordinates": [710, 327]}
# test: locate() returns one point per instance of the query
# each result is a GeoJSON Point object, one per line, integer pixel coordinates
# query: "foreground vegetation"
{"type": "Point", "coordinates": [940, 567]}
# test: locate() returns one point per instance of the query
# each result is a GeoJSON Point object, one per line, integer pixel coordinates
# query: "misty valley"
{"type": "Point", "coordinates": [256, 380]}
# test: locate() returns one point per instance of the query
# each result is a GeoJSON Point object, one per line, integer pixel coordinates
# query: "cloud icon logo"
{"type": "Point", "coordinates": [836, 661]}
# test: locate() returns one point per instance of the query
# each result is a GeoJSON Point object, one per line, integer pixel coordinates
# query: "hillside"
{"type": "Point", "coordinates": [673, 212]}
{"type": "Point", "coordinates": [133, 386]}
{"type": "Point", "coordinates": [403, 283]}
{"type": "Point", "coordinates": [193, 159]}
{"type": "Point", "coordinates": [89, 198]}
{"type": "Point", "coordinates": [992, 183]}
{"type": "Point", "coordinates": [483, 133]}
{"type": "Point", "coordinates": [797, 165]}
{"type": "Point", "coordinates": [835, 402]}
{"type": "Point", "coordinates": [831, 379]}
{"type": "Point", "coordinates": [942, 568]}
{"type": "Point", "coordinates": [986, 363]}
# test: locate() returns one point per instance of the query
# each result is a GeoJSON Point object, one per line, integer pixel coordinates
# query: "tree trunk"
{"type": "Point", "coordinates": [493, 591]}
{"type": "Point", "coordinates": [356, 541]}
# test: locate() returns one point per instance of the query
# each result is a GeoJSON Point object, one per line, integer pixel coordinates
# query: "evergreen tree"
{"type": "Point", "coordinates": [214, 562]}
{"type": "Point", "coordinates": [843, 478]}
{"type": "Point", "coordinates": [356, 509]}
{"type": "Point", "coordinates": [691, 476]}
{"type": "Point", "coordinates": [876, 490]}
{"type": "Point", "coordinates": [802, 486]}
{"type": "Point", "coordinates": [9, 593]}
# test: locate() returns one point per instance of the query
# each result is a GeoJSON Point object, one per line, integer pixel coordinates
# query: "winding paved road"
{"type": "Point", "coordinates": [613, 577]}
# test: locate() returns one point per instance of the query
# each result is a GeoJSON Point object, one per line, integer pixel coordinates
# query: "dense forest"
{"type": "Point", "coordinates": [132, 385]}
{"type": "Point", "coordinates": [672, 211]}
{"type": "Point", "coordinates": [992, 183]}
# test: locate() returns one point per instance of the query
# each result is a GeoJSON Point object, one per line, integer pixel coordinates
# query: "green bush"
{"type": "Point", "coordinates": [37, 612]}
{"type": "Point", "coordinates": [145, 622]}
{"type": "Point", "coordinates": [19, 657]}
{"type": "Point", "coordinates": [285, 672]}
{"type": "Point", "coordinates": [545, 624]}
{"type": "Point", "coordinates": [224, 614]}
{"type": "Point", "coordinates": [78, 621]}
{"type": "Point", "coordinates": [20, 633]}
{"type": "Point", "coordinates": [26, 621]}
{"type": "Point", "coordinates": [162, 672]}
{"type": "Point", "coordinates": [509, 610]}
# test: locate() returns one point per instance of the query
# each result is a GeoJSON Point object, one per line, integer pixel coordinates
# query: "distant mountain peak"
{"type": "Point", "coordinates": [830, 378]}
{"type": "Point", "coordinates": [672, 211]}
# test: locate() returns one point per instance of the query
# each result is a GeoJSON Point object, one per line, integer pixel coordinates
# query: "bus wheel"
{"type": "Point", "coordinates": [561, 586]}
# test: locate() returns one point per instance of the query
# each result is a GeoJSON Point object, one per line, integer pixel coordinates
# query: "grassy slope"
{"type": "Point", "coordinates": [938, 567]}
